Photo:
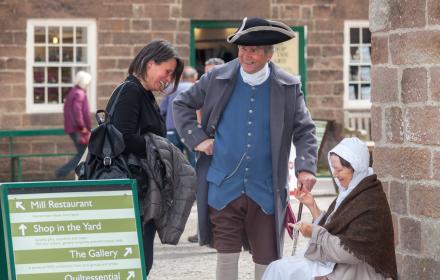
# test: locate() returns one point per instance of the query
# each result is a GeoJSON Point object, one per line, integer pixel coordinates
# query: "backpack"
{"type": "Point", "coordinates": [105, 159]}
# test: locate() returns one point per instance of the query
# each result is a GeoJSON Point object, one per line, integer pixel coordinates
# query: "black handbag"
{"type": "Point", "coordinates": [105, 159]}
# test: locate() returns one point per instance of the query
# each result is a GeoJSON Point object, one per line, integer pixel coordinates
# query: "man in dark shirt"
{"type": "Point", "coordinates": [189, 77]}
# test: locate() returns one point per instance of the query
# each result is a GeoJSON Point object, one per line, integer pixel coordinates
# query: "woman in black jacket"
{"type": "Point", "coordinates": [136, 113]}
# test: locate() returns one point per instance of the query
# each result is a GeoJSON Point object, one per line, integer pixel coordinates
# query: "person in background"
{"type": "Point", "coordinates": [209, 65]}
{"type": "Point", "coordinates": [155, 67]}
{"type": "Point", "coordinates": [212, 62]}
{"type": "Point", "coordinates": [189, 77]}
{"type": "Point", "coordinates": [354, 238]}
{"type": "Point", "coordinates": [254, 111]}
{"type": "Point", "coordinates": [77, 121]}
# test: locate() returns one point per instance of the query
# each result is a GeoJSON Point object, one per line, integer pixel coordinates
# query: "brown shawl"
{"type": "Point", "coordinates": [363, 224]}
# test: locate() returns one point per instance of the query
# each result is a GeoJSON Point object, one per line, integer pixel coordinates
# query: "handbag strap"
{"type": "Point", "coordinates": [112, 108]}
{"type": "Point", "coordinates": [103, 116]}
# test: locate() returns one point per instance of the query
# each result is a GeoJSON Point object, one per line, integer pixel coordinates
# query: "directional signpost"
{"type": "Point", "coordinates": [71, 230]}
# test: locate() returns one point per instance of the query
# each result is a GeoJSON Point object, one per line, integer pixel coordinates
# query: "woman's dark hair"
{"type": "Point", "coordinates": [343, 161]}
{"type": "Point", "coordinates": [159, 51]}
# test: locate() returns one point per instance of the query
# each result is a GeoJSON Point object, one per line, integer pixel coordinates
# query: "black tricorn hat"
{"type": "Point", "coordinates": [260, 32]}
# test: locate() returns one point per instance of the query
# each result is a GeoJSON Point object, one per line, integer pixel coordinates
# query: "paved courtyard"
{"type": "Point", "coordinates": [189, 261]}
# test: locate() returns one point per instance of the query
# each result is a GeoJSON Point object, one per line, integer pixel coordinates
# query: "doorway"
{"type": "Point", "coordinates": [208, 39]}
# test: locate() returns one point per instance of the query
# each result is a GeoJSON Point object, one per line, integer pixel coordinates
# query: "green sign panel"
{"type": "Point", "coordinates": [72, 230]}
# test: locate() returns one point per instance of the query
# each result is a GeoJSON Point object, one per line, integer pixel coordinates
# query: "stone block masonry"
{"type": "Point", "coordinates": [406, 129]}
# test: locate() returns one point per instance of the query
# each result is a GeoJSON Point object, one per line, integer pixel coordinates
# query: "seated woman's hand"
{"type": "Point", "coordinates": [305, 228]}
{"type": "Point", "coordinates": [304, 197]}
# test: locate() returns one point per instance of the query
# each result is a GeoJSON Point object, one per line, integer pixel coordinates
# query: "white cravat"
{"type": "Point", "coordinates": [256, 78]}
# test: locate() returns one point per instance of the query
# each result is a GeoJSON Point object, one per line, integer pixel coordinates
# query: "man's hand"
{"type": "Point", "coordinates": [207, 147]}
{"type": "Point", "coordinates": [305, 180]}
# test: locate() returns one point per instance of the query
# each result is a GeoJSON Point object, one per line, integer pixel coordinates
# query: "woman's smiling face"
{"type": "Point", "coordinates": [340, 172]}
{"type": "Point", "coordinates": [159, 75]}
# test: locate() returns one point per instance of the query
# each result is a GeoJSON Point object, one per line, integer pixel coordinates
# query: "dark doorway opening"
{"type": "Point", "coordinates": [208, 40]}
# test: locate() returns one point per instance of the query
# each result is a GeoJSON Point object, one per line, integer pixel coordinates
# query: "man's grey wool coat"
{"type": "Point", "coordinates": [290, 121]}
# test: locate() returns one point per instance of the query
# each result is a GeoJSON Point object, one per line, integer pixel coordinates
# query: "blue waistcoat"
{"type": "Point", "coordinates": [242, 159]}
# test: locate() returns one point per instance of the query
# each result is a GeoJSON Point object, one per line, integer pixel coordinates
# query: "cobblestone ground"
{"type": "Point", "coordinates": [189, 261]}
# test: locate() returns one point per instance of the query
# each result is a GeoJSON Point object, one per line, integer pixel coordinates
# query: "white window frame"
{"type": "Point", "coordinates": [90, 24]}
{"type": "Point", "coordinates": [352, 104]}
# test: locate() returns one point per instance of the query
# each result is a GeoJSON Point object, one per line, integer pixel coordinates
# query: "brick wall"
{"type": "Point", "coordinates": [124, 27]}
{"type": "Point", "coordinates": [325, 31]}
{"type": "Point", "coordinates": [324, 20]}
{"type": "Point", "coordinates": [406, 130]}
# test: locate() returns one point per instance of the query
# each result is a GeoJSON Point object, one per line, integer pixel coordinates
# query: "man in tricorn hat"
{"type": "Point", "coordinates": [254, 111]}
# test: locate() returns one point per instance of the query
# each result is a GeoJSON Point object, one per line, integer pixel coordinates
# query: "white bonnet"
{"type": "Point", "coordinates": [354, 151]}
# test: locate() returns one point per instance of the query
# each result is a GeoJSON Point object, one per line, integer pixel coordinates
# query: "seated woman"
{"type": "Point", "coordinates": [354, 238]}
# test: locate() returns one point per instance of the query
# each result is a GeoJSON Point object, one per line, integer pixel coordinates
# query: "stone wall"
{"type": "Point", "coordinates": [406, 127]}
{"type": "Point", "coordinates": [123, 27]}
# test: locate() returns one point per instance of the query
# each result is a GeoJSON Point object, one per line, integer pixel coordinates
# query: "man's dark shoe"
{"type": "Point", "coordinates": [193, 238]}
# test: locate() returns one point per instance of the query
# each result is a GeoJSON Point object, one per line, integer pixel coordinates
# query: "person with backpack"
{"type": "Point", "coordinates": [137, 113]}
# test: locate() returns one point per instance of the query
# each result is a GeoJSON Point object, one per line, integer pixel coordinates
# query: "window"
{"type": "Point", "coordinates": [56, 51]}
{"type": "Point", "coordinates": [357, 64]}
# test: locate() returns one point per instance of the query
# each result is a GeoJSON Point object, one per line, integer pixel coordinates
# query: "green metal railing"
{"type": "Point", "coordinates": [15, 158]}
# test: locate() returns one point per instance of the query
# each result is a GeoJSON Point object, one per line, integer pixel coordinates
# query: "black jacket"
{"type": "Point", "coordinates": [136, 114]}
{"type": "Point", "coordinates": [169, 190]}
